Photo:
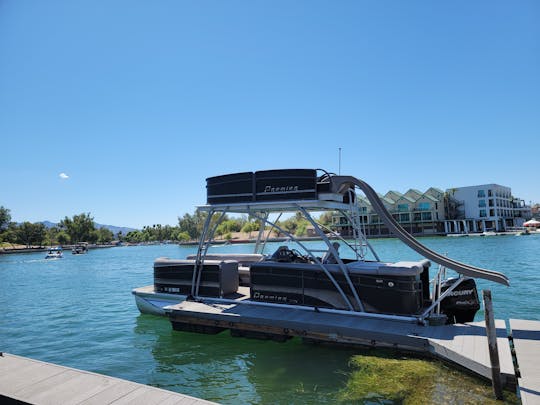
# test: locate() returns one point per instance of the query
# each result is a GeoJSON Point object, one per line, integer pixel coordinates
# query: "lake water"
{"type": "Point", "coordinates": [79, 312]}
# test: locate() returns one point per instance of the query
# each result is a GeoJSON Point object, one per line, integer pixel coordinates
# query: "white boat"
{"type": "Point", "coordinates": [55, 253]}
{"type": "Point", "coordinates": [79, 249]}
{"type": "Point", "coordinates": [347, 275]}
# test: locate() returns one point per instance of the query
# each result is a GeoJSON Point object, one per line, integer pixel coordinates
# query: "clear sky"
{"type": "Point", "coordinates": [137, 102]}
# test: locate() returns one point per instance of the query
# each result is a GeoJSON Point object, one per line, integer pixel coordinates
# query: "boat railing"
{"type": "Point", "coordinates": [315, 259]}
{"type": "Point", "coordinates": [334, 252]}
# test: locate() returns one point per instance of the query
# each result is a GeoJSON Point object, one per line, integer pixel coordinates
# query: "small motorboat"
{"type": "Point", "coordinates": [55, 253]}
{"type": "Point", "coordinates": [79, 249]}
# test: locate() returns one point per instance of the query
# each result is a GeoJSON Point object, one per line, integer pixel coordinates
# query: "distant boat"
{"type": "Point", "coordinates": [79, 249]}
{"type": "Point", "coordinates": [55, 253]}
{"type": "Point", "coordinates": [489, 233]}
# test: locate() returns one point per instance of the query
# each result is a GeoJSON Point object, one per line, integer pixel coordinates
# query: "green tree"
{"type": "Point", "coordinates": [29, 233]}
{"type": "Point", "coordinates": [193, 224]}
{"type": "Point", "coordinates": [51, 235]}
{"type": "Point", "coordinates": [62, 238]}
{"type": "Point", "coordinates": [134, 237]}
{"type": "Point", "coordinates": [10, 234]}
{"type": "Point", "coordinates": [250, 226]}
{"type": "Point", "coordinates": [79, 228]}
{"type": "Point", "coordinates": [105, 235]}
{"type": "Point", "coordinates": [5, 218]}
{"type": "Point", "coordinates": [182, 236]}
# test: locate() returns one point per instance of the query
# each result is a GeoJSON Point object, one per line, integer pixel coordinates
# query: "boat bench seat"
{"type": "Point", "coordinates": [218, 277]}
{"type": "Point", "coordinates": [388, 269]}
{"type": "Point", "coordinates": [243, 259]}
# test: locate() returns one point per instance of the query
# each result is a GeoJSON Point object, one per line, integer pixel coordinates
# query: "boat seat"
{"type": "Point", "coordinates": [243, 259]}
{"type": "Point", "coordinates": [388, 269]}
{"type": "Point", "coordinates": [218, 277]}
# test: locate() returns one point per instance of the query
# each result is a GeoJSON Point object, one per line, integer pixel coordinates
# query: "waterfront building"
{"type": "Point", "coordinates": [486, 207]}
{"type": "Point", "coordinates": [419, 213]}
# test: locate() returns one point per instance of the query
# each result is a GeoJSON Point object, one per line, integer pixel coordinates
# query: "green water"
{"type": "Point", "coordinates": [79, 312]}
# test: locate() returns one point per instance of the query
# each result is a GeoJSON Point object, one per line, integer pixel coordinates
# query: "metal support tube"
{"type": "Point", "coordinates": [315, 259]}
{"type": "Point", "coordinates": [342, 266]}
{"type": "Point", "coordinates": [202, 255]}
{"type": "Point", "coordinates": [199, 250]}
{"type": "Point", "coordinates": [444, 294]}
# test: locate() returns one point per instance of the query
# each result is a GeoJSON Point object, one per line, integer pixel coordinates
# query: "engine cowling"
{"type": "Point", "coordinates": [462, 303]}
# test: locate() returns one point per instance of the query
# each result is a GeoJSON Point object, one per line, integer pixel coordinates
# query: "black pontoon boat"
{"type": "Point", "coordinates": [321, 279]}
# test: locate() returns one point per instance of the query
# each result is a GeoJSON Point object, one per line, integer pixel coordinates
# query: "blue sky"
{"type": "Point", "coordinates": [137, 102]}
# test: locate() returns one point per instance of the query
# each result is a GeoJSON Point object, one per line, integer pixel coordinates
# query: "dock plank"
{"type": "Point", "coordinates": [41, 383]}
{"type": "Point", "coordinates": [526, 335]}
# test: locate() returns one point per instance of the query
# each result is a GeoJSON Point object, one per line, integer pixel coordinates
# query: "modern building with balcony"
{"type": "Point", "coordinates": [486, 207]}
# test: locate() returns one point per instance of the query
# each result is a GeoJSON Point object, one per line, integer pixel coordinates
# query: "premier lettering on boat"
{"type": "Point", "coordinates": [280, 189]}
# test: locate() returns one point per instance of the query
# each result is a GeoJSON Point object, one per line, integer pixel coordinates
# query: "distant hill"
{"type": "Point", "coordinates": [113, 228]}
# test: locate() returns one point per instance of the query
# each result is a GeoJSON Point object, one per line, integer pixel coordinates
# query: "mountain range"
{"type": "Point", "coordinates": [114, 229]}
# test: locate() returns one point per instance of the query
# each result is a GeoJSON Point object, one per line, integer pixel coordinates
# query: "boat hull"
{"type": "Point", "coordinates": [152, 303]}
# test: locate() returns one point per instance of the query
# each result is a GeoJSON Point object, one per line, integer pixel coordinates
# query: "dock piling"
{"type": "Point", "coordinates": [491, 332]}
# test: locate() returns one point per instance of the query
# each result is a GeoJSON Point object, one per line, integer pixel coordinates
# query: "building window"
{"type": "Point", "coordinates": [417, 216]}
{"type": "Point", "coordinates": [481, 203]}
{"type": "Point", "coordinates": [482, 213]}
{"type": "Point", "coordinates": [424, 206]}
{"type": "Point", "coordinates": [490, 193]}
{"type": "Point", "coordinates": [491, 212]}
{"type": "Point", "coordinates": [426, 216]}
{"type": "Point", "coordinates": [403, 207]}
{"type": "Point", "coordinates": [481, 193]}
{"type": "Point", "coordinates": [374, 219]}
{"type": "Point", "coordinates": [404, 218]}
{"type": "Point", "coordinates": [491, 202]}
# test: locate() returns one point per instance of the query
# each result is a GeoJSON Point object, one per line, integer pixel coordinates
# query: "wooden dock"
{"type": "Point", "coordinates": [526, 338]}
{"type": "Point", "coordinates": [27, 381]}
{"type": "Point", "coordinates": [464, 345]}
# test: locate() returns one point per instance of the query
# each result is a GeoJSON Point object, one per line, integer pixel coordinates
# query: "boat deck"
{"type": "Point", "coordinates": [465, 345]}
{"type": "Point", "coordinates": [526, 338]}
{"type": "Point", "coordinates": [27, 381]}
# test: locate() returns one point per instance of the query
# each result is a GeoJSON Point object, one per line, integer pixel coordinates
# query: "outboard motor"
{"type": "Point", "coordinates": [462, 303]}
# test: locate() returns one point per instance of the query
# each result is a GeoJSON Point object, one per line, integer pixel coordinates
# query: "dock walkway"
{"type": "Point", "coordinates": [465, 345]}
{"type": "Point", "coordinates": [526, 337]}
{"type": "Point", "coordinates": [27, 381]}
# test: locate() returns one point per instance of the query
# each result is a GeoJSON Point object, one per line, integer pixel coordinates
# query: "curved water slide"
{"type": "Point", "coordinates": [344, 182]}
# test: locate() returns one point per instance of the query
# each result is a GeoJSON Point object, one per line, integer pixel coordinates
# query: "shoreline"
{"type": "Point", "coordinates": [38, 249]}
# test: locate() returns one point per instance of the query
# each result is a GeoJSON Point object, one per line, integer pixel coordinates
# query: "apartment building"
{"type": "Point", "coordinates": [488, 207]}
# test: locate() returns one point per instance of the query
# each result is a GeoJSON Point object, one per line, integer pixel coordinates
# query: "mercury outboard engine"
{"type": "Point", "coordinates": [462, 303]}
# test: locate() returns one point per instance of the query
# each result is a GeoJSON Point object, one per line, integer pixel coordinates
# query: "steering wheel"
{"type": "Point", "coordinates": [297, 256]}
